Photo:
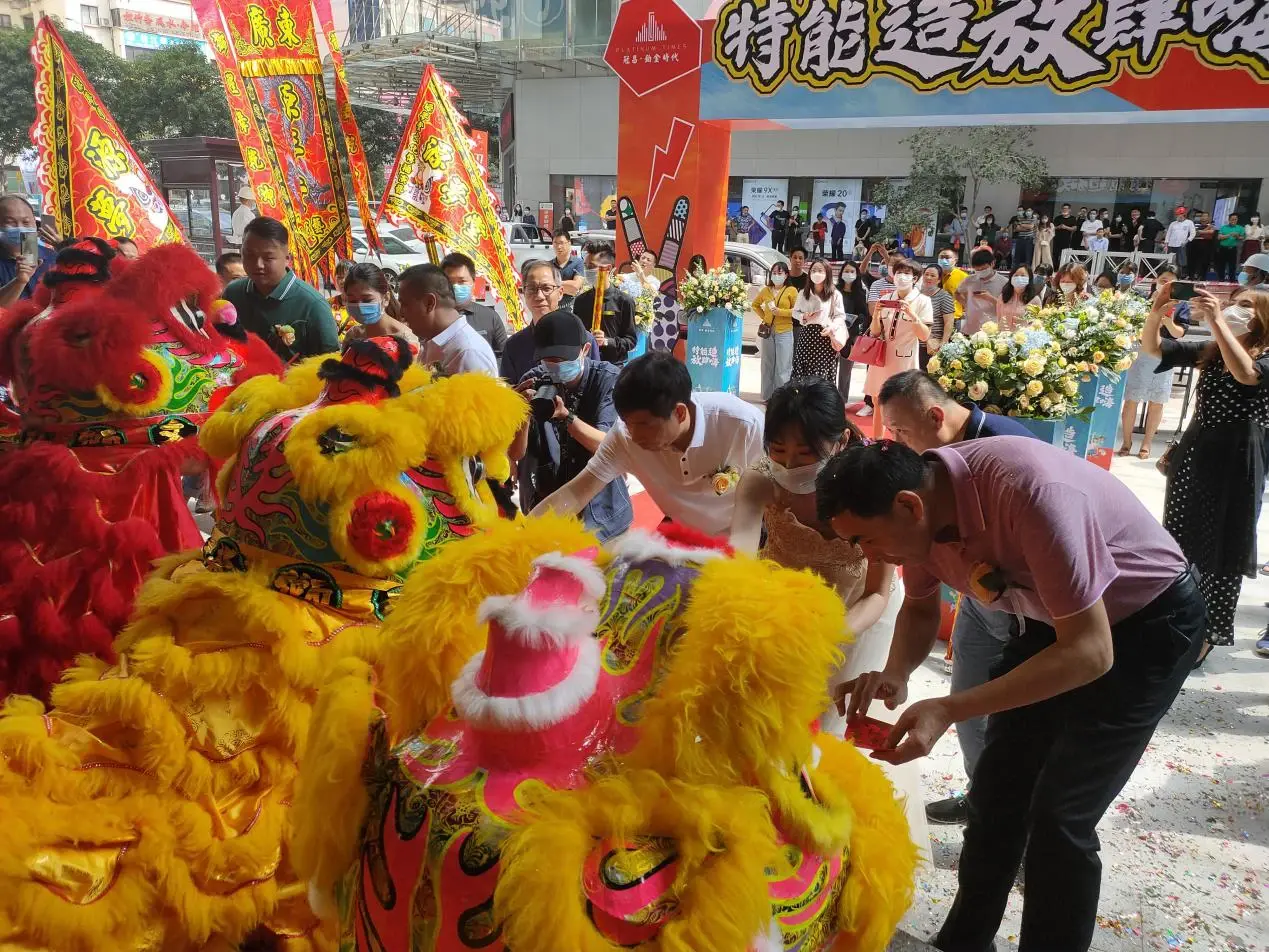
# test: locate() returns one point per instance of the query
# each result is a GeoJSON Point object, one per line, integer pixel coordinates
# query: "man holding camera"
{"type": "Point", "coordinates": [571, 399]}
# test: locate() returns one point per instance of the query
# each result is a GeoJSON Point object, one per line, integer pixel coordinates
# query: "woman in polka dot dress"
{"type": "Point", "coordinates": [1216, 474]}
{"type": "Point", "coordinates": [818, 308]}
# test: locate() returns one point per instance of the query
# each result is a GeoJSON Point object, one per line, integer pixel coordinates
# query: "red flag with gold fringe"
{"type": "Point", "coordinates": [436, 187]}
{"type": "Point", "coordinates": [92, 180]}
{"type": "Point", "coordinates": [348, 122]}
{"type": "Point", "coordinates": [272, 70]}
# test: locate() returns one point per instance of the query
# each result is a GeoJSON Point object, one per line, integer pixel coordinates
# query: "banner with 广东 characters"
{"type": "Point", "coordinates": [271, 66]}
{"type": "Point", "coordinates": [92, 181]}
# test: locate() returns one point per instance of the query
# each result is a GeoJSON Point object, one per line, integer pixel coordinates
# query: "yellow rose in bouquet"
{"type": "Point", "coordinates": [984, 357]}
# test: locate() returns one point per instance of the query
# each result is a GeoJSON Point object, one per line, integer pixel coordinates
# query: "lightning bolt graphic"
{"type": "Point", "coordinates": [666, 161]}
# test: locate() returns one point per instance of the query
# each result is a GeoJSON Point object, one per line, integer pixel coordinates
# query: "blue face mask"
{"type": "Point", "coordinates": [566, 371]}
{"type": "Point", "coordinates": [462, 293]}
{"type": "Point", "coordinates": [365, 312]}
{"type": "Point", "coordinates": [1124, 280]}
{"type": "Point", "coordinates": [1243, 278]}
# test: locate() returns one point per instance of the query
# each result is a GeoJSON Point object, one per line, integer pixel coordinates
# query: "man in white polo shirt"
{"type": "Point", "coordinates": [687, 450]}
{"type": "Point", "coordinates": [428, 308]}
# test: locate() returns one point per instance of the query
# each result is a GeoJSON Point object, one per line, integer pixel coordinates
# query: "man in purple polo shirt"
{"type": "Point", "coordinates": [923, 417]}
{"type": "Point", "coordinates": [1112, 620]}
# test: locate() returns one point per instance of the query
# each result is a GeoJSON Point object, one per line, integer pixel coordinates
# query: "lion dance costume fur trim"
{"type": "Point", "coordinates": [148, 808]}
{"type": "Point", "coordinates": [113, 366]}
{"type": "Point", "coordinates": [624, 760]}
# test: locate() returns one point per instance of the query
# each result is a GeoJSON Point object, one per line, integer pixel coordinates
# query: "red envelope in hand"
{"type": "Point", "coordinates": [868, 733]}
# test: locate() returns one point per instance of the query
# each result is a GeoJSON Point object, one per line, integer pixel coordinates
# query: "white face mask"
{"type": "Point", "coordinates": [848, 277]}
{"type": "Point", "coordinates": [1019, 281]}
{"type": "Point", "coordinates": [817, 276]}
{"type": "Point", "coordinates": [800, 480]}
{"type": "Point", "coordinates": [777, 280]}
{"type": "Point", "coordinates": [903, 282]}
{"type": "Point", "coordinates": [1066, 287]}
{"type": "Point", "coordinates": [1237, 316]}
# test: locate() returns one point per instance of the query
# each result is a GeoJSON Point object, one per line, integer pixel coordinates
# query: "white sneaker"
{"type": "Point", "coordinates": [854, 407]}
{"type": "Point", "coordinates": [865, 412]}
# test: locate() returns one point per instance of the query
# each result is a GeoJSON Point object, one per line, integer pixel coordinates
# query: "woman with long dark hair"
{"type": "Point", "coordinates": [1216, 474]}
{"type": "Point", "coordinates": [817, 313]}
{"type": "Point", "coordinates": [1011, 307]}
{"type": "Point", "coordinates": [805, 426]}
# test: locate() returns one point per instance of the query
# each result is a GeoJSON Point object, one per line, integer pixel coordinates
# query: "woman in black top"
{"type": "Point", "coordinates": [855, 303]}
{"type": "Point", "coordinates": [1216, 474]}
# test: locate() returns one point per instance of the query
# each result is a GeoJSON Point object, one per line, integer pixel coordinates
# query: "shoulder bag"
{"type": "Point", "coordinates": [872, 350]}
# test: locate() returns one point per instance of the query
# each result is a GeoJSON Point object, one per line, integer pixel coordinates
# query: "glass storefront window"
{"type": "Point", "coordinates": [591, 198]}
{"type": "Point", "coordinates": [1119, 196]}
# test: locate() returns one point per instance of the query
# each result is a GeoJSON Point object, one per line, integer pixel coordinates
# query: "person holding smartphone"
{"type": "Point", "coordinates": [902, 318]}
{"type": "Point", "coordinates": [1216, 474]}
{"type": "Point", "coordinates": [25, 249]}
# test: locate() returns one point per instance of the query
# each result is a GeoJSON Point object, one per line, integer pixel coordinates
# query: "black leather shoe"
{"type": "Point", "coordinates": [947, 812]}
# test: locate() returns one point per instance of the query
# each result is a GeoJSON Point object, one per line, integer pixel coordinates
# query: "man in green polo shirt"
{"type": "Point", "coordinates": [289, 314]}
{"type": "Point", "coordinates": [1229, 242]}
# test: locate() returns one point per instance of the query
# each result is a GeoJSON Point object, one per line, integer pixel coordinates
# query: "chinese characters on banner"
{"type": "Point", "coordinates": [437, 189]}
{"type": "Point", "coordinates": [357, 166]}
{"type": "Point", "coordinates": [91, 179]}
{"type": "Point", "coordinates": [1069, 45]}
{"type": "Point", "coordinates": [272, 71]}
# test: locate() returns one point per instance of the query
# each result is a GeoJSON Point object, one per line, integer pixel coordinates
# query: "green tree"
{"type": "Point", "coordinates": [172, 92]}
{"type": "Point", "coordinates": [944, 158]}
{"type": "Point", "coordinates": [17, 79]}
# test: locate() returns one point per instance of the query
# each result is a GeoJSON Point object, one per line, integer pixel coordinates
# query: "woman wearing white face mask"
{"type": "Point", "coordinates": [805, 425]}
{"type": "Point", "coordinates": [1253, 237]}
{"type": "Point", "coordinates": [902, 318]}
{"type": "Point", "coordinates": [774, 307]}
{"type": "Point", "coordinates": [818, 316]}
{"type": "Point", "coordinates": [1011, 306]}
{"type": "Point", "coordinates": [1216, 474]}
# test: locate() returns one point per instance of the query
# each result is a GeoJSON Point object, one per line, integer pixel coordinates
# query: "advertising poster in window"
{"type": "Point", "coordinates": [760, 195]}
{"type": "Point", "coordinates": [838, 201]}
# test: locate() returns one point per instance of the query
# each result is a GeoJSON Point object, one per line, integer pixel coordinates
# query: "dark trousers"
{"type": "Point", "coordinates": [1051, 769]}
{"type": "Point", "coordinates": [844, 366]}
{"type": "Point", "coordinates": [1200, 258]}
{"type": "Point", "coordinates": [1227, 263]}
{"type": "Point", "coordinates": [817, 247]}
{"type": "Point", "coordinates": [1023, 249]}
{"type": "Point", "coordinates": [837, 254]}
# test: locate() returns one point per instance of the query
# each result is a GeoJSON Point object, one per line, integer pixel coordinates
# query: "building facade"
{"type": "Point", "coordinates": [565, 141]}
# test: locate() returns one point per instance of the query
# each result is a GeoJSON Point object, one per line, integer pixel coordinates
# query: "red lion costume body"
{"type": "Point", "coordinates": [113, 365]}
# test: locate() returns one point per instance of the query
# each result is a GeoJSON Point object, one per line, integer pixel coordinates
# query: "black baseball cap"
{"type": "Point", "coordinates": [559, 334]}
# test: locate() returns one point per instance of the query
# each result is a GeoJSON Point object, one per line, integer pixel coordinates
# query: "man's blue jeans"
{"type": "Point", "coordinates": [978, 641]}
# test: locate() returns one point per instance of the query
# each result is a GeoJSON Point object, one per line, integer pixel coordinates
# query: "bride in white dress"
{"type": "Point", "coordinates": [805, 425]}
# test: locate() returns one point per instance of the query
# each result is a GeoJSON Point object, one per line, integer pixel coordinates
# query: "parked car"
{"type": "Point", "coordinates": [397, 255]}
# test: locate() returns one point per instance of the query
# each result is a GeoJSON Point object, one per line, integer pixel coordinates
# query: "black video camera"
{"type": "Point", "coordinates": [542, 403]}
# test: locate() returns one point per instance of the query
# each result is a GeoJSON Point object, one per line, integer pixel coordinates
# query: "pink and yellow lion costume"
{"type": "Point", "coordinates": [148, 808]}
{"type": "Point", "coordinates": [565, 748]}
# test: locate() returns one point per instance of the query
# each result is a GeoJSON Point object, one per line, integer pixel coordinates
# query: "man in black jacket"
{"type": "Point", "coordinates": [616, 335]}
{"type": "Point", "coordinates": [487, 322]}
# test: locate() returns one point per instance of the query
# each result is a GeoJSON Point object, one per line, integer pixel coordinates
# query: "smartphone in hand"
{"type": "Point", "coordinates": [1182, 290]}
{"type": "Point", "coordinates": [30, 247]}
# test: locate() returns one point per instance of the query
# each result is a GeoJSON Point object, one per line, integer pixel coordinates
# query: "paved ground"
{"type": "Point", "coordinates": [1185, 848]}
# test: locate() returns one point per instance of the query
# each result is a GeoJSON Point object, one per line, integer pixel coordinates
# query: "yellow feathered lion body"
{"type": "Point", "coordinates": [149, 807]}
{"type": "Point", "coordinates": [678, 800]}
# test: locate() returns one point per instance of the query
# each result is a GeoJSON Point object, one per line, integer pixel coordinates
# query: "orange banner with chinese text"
{"type": "Point", "coordinates": [271, 66]}
{"type": "Point", "coordinates": [91, 179]}
{"type": "Point", "coordinates": [436, 187]}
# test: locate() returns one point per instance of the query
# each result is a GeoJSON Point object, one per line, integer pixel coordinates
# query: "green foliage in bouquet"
{"type": "Point", "coordinates": [718, 287]}
{"type": "Point", "coordinates": [1036, 370]}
